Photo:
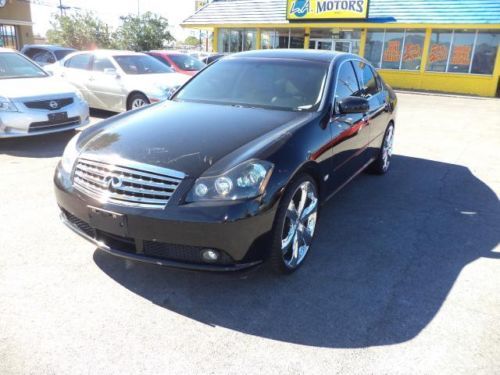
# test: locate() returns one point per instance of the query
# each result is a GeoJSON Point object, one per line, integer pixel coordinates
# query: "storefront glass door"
{"type": "Point", "coordinates": [350, 46]}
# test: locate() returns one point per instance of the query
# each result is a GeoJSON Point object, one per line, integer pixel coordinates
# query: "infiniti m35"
{"type": "Point", "coordinates": [231, 171]}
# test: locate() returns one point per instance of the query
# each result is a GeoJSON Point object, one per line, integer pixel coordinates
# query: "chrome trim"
{"type": "Point", "coordinates": [122, 182]}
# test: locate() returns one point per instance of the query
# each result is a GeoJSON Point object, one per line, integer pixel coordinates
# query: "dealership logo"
{"type": "Point", "coordinates": [53, 104]}
{"type": "Point", "coordinates": [339, 5]}
{"type": "Point", "coordinates": [300, 8]}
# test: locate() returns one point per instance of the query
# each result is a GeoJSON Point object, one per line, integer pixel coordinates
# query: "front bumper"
{"type": "Point", "coordinates": [176, 235]}
{"type": "Point", "coordinates": [30, 122]}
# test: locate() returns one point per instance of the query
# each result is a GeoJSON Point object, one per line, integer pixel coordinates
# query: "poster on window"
{"type": "Point", "coordinates": [439, 52]}
{"type": "Point", "coordinates": [461, 55]}
{"type": "Point", "coordinates": [392, 52]}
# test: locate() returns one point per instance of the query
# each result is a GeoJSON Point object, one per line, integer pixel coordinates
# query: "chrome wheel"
{"type": "Point", "coordinates": [138, 103]}
{"type": "Point", "coordinates": [299, 225]}
{"type": "Point", "coordinates": [387, 148]}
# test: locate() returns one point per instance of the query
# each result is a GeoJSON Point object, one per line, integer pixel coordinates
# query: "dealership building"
{"type": "Point", "coordinates": [16, 28]}
{"type": "Point", "coordinates": [434, 45]}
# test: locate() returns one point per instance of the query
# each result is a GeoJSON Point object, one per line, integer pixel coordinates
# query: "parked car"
{"type": "Point", "coordinates": [32, 102]}
{"type": "Point", "coordinates": [180, 62]}
{"type": "Point", "coordinates": [45, 54]}
{"type": "Point", "coordinates": [232, 169]}
{"type": "Point", "coordinates": [118, 80]}
{"type": "Point", "coordinates": [213, 58]}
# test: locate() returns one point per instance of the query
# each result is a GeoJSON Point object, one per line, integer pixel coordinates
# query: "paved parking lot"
{"type": "Point", "coordinates": [403, 278]}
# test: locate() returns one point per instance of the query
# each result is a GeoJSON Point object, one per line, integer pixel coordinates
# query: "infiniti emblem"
{"type": "Point", "coordinates": [53, 104]}
{"type": "Point", "coordinates": [113, 182]}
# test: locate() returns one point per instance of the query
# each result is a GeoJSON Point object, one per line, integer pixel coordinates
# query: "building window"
{"type": "Point", "coordinates": [485, 52]}
{"type": "Point", "coordinates": [8, 36]}
{"type": "Point", "coordinates": [463, 51]}
{"type": "Point", "coordinates": [236, 40]}
{"type": "Point", "coordinates": [395, 49]}
{"type": "Point", "coordinates": [282, 38]}
{"type": "Point", "coordinates": [346, 40]}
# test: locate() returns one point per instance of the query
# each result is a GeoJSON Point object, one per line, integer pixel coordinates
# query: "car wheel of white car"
{"type": "Point", "coordinates": [137, 100]}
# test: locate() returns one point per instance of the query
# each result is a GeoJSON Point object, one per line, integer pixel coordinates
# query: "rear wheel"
{"type": "Point", "coordinates": [137, 100]}
{"type": "Point", "coordinates": [383, 161]}
{"type": "Point", "coordinates": [295, 225]}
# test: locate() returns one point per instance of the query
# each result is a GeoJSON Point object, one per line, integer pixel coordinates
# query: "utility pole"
{"type": "Point", "coordinates": [138, 8]}
{"type": "Point", "coordinates": [62, 8]}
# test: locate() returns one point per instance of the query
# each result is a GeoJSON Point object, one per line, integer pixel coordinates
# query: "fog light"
{"type": "Point", "coordinates": [210, 255]}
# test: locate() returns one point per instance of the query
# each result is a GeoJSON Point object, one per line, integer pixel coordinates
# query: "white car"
{"type": "Point", "coordinates": [32, 102]}
{"type": "Point", "coordinates": [118, 80]}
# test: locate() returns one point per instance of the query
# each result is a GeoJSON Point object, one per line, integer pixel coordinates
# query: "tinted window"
{"type": "Point", "coordinates": [186, 62]}
{"type": "Point", "coordinates": [347, 83]}
{"type": "Point", "coordinates": [141, 64]}
{"type": "Point", "coordinates": [367, 78]}
{"type": "Point", "coordinates": [13, 65]}
{"type": "Point", "coordinates": [81, 61]}
{"type": "Point", "coordinates": [62, 53]}
{"type": "Point", "coordinates": [161, 59]}
{"type": "Point", "coordinates": [43, 57]}
{"type": "Point", "coordinates": [101, 63]}
{"type": "Point", "coordinates": [279, 84]}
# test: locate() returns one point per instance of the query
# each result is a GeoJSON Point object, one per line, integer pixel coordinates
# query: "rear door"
{"type": "Point", "coordinates": [76, 70]}
{"type": "Point", "coordinates": [372, 90]}
{"type": "Point", "coordinates": [349, 131]}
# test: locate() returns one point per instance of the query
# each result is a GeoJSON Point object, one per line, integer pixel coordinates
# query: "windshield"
{"type": "Point", "coordinates": [186, 62]}
{"type": "Point", "coordinates": [141, 64]}
{"type": "Point", "coordinates": [13, 65]}
{"type": "Point", "coordinates": [61, 53]}
{"type": "Point", "coordinates": [270, 83]}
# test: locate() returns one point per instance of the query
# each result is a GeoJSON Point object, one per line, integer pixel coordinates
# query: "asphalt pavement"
{"type": "Point", "coordinates": [403, 277]}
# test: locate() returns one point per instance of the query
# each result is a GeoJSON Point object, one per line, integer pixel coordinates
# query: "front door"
{"type": "Point", "coordinates": [350, 132]}
{"type": "Point", "coordinates": [334, 45]}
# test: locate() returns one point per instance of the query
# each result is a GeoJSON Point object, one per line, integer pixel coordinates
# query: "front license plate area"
{"type": "Point", "coordinates": [58, 117]}
{"type": "Point", "coordinates": [108, 221]}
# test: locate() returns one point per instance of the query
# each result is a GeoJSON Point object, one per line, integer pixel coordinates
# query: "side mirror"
{"type": "Point", "coordinates": [353, 104]}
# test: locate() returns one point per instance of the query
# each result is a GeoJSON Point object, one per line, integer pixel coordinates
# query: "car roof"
{"type": "Point", "coordinates": [50, 47]}
{"type": "Point", "coordinates": [168, 52]}
{"type": "Point", "coordinates": [296, 54]}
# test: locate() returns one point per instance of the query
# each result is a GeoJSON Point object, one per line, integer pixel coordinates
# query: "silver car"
{"type": "Point", "coordinates": [32, 102]}
{"type": "Point", "coordinates": [118, 80]}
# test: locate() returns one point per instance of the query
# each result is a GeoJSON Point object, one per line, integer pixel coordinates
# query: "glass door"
{"type": "Point", "coordinates": [324, 44]}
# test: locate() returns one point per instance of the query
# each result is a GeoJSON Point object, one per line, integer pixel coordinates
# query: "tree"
{"type": "Point", "coordinates": [192, 41]}
{"type": "Point", "coordinates": [143, 33]}
{"type": "Point", "coordinates": [80, 31]}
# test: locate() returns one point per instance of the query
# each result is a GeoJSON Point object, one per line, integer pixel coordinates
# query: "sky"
{"type": "Point", "coordinates": [110, 11]}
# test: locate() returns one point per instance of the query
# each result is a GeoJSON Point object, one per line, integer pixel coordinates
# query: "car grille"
{"type": "Point", "coordinates": [50, 105]}
{"type": "Point", "coordinates": [48, 125]}
{"type": "Point", "coordinates": [126, 183]}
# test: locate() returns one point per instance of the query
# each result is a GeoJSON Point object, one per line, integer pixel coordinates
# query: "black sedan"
{"type": "Point", "coordinates": [231, 170]}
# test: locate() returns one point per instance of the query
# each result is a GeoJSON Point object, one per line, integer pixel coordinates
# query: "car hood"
{"type": "Point", "coordinates": [34, 87]}
{"type": "Point", "coordinates": [187, 137]}
{"type": "Point", "coordinates": [162, 81]}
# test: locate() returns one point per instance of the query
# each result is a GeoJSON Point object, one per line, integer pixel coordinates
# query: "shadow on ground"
{"type": "Point", "coordinates": [44, 146]}
{"type": "Point", "coordinates": [387, 253]}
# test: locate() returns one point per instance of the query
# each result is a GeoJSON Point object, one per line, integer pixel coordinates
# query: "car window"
{"type": "Point", "coordinates": [62, 53]}
{"type": "Point", "coordinates": [30, 52]}
{"type": "Point", "coordinates": [43, 57]}
{"type": "Point", "coordinates": [347, 83]}
{"type": "Point", "coordinates": [270, 83]}
{"type": "Point", "coordinates": [186, 62]}
{"type": "Point", "coordinates": [141, 64]}
{"type": "Point", "coordinates": [14, 65]}
{"type": "Point", "coordinates": [81, 61]}
{"type": "Point", "coordinates": [101, 63]}
{"type": "Point", "coordinates": [367, 78]}
{"type": "Point", "coordinates": [162, 60]}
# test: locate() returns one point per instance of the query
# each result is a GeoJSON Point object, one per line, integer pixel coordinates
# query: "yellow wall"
{"type": "Point", "coordinates": [482, 85]}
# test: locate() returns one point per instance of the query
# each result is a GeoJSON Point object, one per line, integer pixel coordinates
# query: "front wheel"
{"type": "Point", "coordinates": [294, 225]}
{"type": "Point", "coordinates": [137, 100]}
{"type": "Point", "coordinates": [383, 161]}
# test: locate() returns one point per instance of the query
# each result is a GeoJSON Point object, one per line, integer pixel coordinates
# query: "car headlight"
{"type": "Point", "coordinates": [70, 154]}
{"type": "Point", "coordinates": [79, 96]}
{"type": "Point", "coordinates": [6, 105]}
{"type": "Point", "coordinates": [246, 180]}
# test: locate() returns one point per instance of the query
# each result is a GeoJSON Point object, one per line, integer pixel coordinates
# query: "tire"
{"type": "Point", "coordinates": [294, 225]}
{"type": "Point", "coordinates": [382, 163]}
{"type": "Point", "coordinates": [137, 100]}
